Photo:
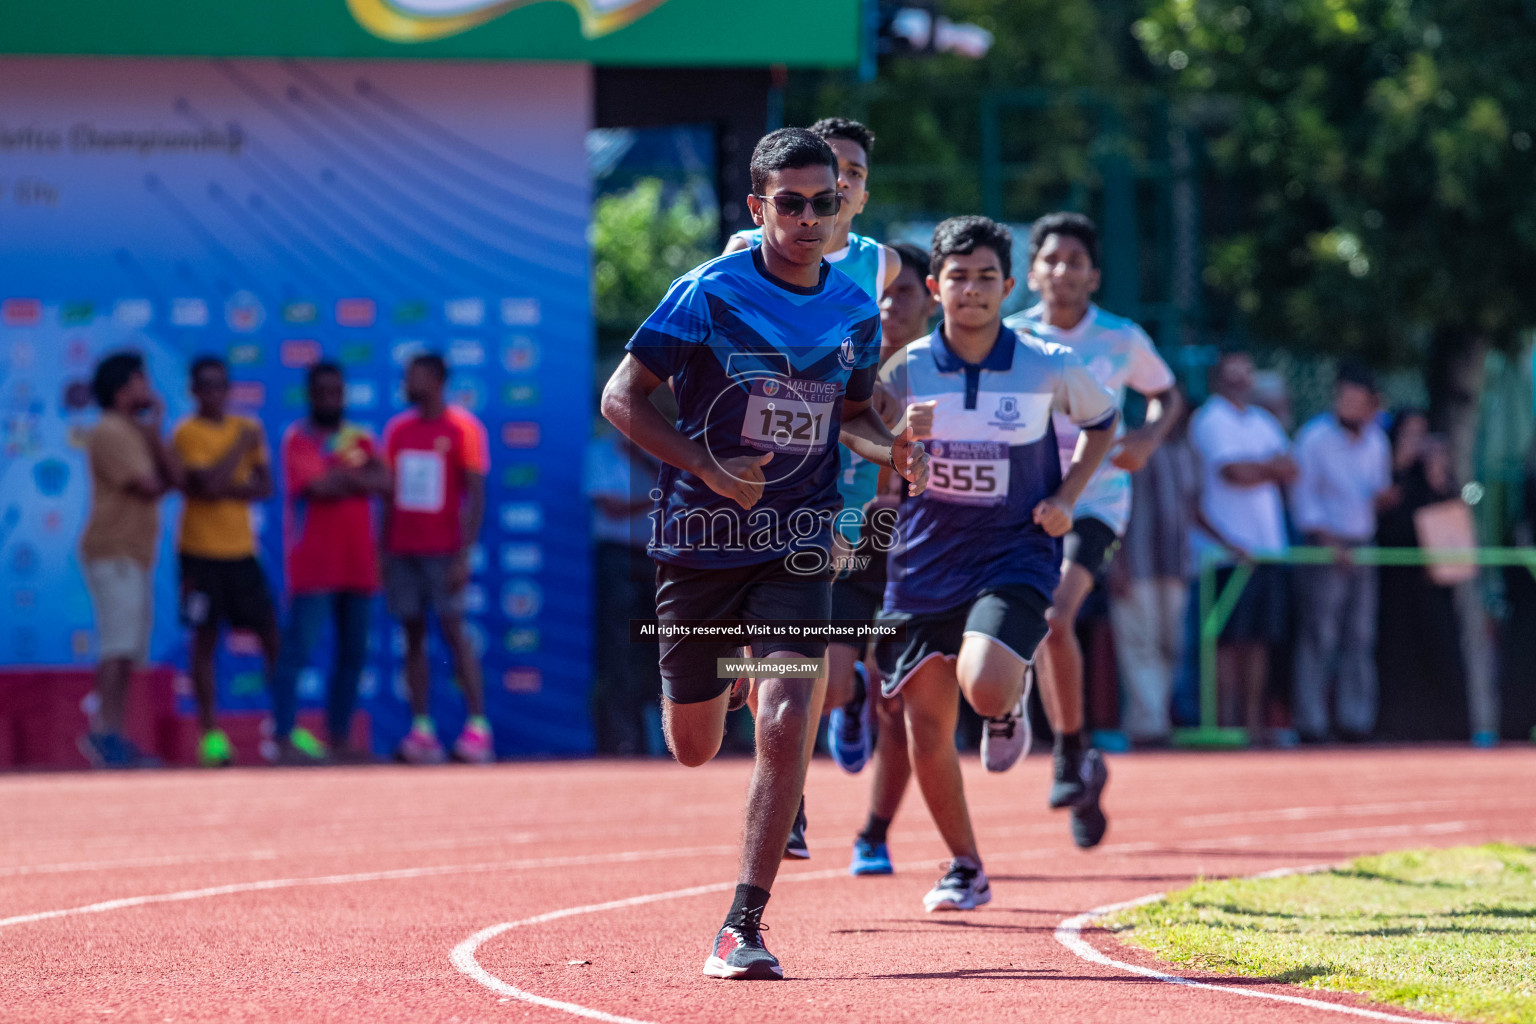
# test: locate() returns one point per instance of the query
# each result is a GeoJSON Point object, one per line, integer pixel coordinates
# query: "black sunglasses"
{"type": "Point", "coordinates": [792, 204]}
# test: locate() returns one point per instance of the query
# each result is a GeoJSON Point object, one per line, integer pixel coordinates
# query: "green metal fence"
{"type": "Point", "coordinates": [1215, 607]}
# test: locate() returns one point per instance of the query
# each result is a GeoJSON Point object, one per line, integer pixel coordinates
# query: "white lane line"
{"type": "Point", "coordinates": [1070, 934]}
{"type": "Point", "coordinates": [463, 955]}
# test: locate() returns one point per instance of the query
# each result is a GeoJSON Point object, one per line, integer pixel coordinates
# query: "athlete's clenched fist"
{"type": "Point", "coordinates": [1054, 516]}
{"type": "Point", "coordinates": [910, 458]}
{"type": "Point", "coordinates": [740, 479]}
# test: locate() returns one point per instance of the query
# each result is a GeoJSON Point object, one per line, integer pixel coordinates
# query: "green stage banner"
{"type": "Point", "coordinates": [620, 32]}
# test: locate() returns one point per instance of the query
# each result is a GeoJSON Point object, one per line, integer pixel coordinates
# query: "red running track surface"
{"type": "Point", "coordinates": [342, 894]}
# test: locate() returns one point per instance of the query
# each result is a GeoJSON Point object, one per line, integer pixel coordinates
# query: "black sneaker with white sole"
{"type": "Point", "coordinates": [739, 953]}
{"type": "Point", "coordinates": [963, 887]}
{"type": "Point", "coordinates": [1067, 787]}
{"type": "Point", "coordinates": [796, 847]}
{"type": "Point", "coordinates": [1088, 821]}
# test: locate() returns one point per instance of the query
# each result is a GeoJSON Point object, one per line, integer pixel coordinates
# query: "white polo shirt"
{"type": "Point", "coordinates": [1251, 517]}
{"type": "Point", "coordinates": [1339, 476]}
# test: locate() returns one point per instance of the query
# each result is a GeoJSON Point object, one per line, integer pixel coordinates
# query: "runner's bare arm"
{"type": "Point", "coordinates": [1163, 411]}
{"type": "Point", "coordinates": [627, 405]}
{"type": "Point", "coordinates": [735, 243]}
{"type": "Point", "coordinates": [865, 434]}
{"type": "Point", "coordinates": [1054, 514]}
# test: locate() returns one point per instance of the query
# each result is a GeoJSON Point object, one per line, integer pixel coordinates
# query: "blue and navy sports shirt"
{"type": "Point", "coordinates": [993, 453]}
{"type": "Point", "coordinates": [758, 365]}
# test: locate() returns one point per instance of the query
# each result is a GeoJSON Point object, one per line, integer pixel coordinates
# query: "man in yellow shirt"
{"type": "Point", "coordinates": [228, 468]}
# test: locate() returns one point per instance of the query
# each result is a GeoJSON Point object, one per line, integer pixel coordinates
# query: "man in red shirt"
{"type": "Point", "coordinates": [439, 457]}
{"type": "Point", "coordinates": [332, 471]}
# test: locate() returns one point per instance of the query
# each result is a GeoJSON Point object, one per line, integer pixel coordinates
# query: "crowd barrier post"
{"type": "Point", "coordinates": [1216, 605]}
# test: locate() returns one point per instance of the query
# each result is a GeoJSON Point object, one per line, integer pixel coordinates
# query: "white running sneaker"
{"type": "Point", "coordinates": [1007, 738]}
{"type": "Point", "coordinates": [963, 887]}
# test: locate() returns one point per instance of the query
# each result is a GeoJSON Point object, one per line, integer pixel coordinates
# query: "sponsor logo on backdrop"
{"type": "Point", "coordinates": [418, 21]}
{"type": "Point", "coordinates": [523, 640]}
{"type": "Point", "coordinates": [522, 680]}
{"type": "Point", "coordinates": [522, 435]}
{"type": "Point", "coordinates": [355, 353]}
{"type": "Point", "coordinates": [521, 599]}
{"type": "Point", "coordinates": [521, 394]}
{"type": "Point", "coordinates": [465, 352]}
{"type": "Point", "coordinates": [474, 599]}
{"type": "Point", "coordinates": [410, 312]}
{"type": "Point", "coordinates": [77, 351]}
{"type": "Point", "coordinates": [248, 394]}
{"type": "Point", "coordinates": [245, 353]}
{"type": "Point", "coordinates": [51, 477]}
{"type": "Point", "coordinates": [362, 395]}
{"type": "Point", "coordinates": [23, 355]}
{"type": "Point", "coordinates": [520, 354]}
{"type": "Point", "coordinates": [76, 312]}
{"type": "Point", "coordinates": [402, 352]}
{"type": "Point", "coordinates": [299, 353]}
{"type": "Point", "coordinates": [300, 313]}
{"type": "Point", "coordinates": [77, 396]}
{"type": "Point", "coordinates": [464, 312]}
{"type": "Point", "coordinates": [294, 396]}
{"type": "Point", "coordinates": [132, 313]}
{"type": "Point", "coordinates": [21, 312]}
{"type": "Point", "coordinates": [25, 560]}
{"type": "Point", "coordinates": [188, 312]}
{"type": "Point", "coordinates": [467, 393]}
{"type": "Point", "coordinates": [520, 312]}
{"type": "Point", "coordinates": [244, 313]}
{"type": "Point", "coordinates": [522, 557]}
{"type": "Point", "coordinates": [355, 312]}
{"type": "Point", "coordinates": [522, 517]}
{"type": "Point", "coordinates": [520, 474]}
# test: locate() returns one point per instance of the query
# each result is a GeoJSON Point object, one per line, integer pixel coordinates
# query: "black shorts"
{"type": "Point", "coordinates": [1091, 544]}
{"type": "Point", "coordinates": [764, 592]}
{"type": "Point", "coordinates": [1262, 613]}
{"type": "Point", "coordinates": [225, 591]}
{"type": "Point", "coordinates": [857, 595]}
{"type": "Point", "coordinates": [1013, 615]}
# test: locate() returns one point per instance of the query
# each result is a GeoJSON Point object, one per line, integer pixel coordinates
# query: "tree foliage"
{"type": "Point", "coordinates": [1382, 155]}
{"type": "Point", "coordinates": [925, 110]}
{"type": "Point", "coordinates": [643, 239]}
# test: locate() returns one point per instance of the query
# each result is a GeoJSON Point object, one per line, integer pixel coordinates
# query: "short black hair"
{"type": "Point", "coordinates": [846, 128]}
{"type": "Point", "coordinates": [320, 370]}
{"type": "Point", "coordinates": [433, 363]}
{"type": "Point", "coordinates": [1072, 225]}
{"type": "Point", "coordinates": [113, 374]}
{"type": "Point", "coordinates": [912, 258]}
{"type": "Point", "coordinates": [1352, 371]}
{"type": "Point", "coordinates": [208, 362]}
{"type": "Point", "coordinates": [961, 236]}
{"type": "Point", "coordinates": [788, 149]}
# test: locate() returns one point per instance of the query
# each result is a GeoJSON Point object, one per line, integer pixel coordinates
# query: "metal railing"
{"type": "Point", "coordinates": [1216, 606]}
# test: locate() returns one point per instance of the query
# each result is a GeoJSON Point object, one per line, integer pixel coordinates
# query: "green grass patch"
{"type": "Point", "coordinates": [1447, 932]}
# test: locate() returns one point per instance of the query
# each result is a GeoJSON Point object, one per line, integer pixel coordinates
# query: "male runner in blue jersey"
{"type": "Point", "coordinates": [771, 353]}
{"type": "Point", "coordinates": [978, 552]}
{"type": "Point", "coordinates": [1064, 272]}
{"type": "Point", "coordinates": [873, 267]}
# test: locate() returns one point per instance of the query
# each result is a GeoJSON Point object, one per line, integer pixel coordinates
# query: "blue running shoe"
{"type": "Point", "coordinates": [870, 859]}
{"type": "Point", "coordinates": [848, 727]}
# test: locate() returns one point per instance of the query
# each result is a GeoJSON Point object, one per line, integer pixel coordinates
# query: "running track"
{"type": "Point", "coordinates": [562, 892]}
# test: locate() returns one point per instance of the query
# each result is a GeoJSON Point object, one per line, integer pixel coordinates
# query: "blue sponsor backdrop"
{"type": "Point", "coordinates": [275, 212]}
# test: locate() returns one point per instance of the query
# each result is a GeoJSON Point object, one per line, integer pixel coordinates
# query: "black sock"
{"type": "Point", "coordinates": [1070, 742]}
{"type": "Point", "coordinates": [874, 829]}
{"type": "Point", "coordinates": [748, 897]}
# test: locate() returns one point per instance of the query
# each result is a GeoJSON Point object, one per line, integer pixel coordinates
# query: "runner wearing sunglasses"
{"type": "Point", "coordinates": [771, 353]}
{"type": "Point", "coordinates": [855, 594]}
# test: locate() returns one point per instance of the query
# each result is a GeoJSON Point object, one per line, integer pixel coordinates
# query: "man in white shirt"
{"type": "Point", "coordinates": [1344, 465]}
{"type": "Point", "coordinates": [1246, 461]}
